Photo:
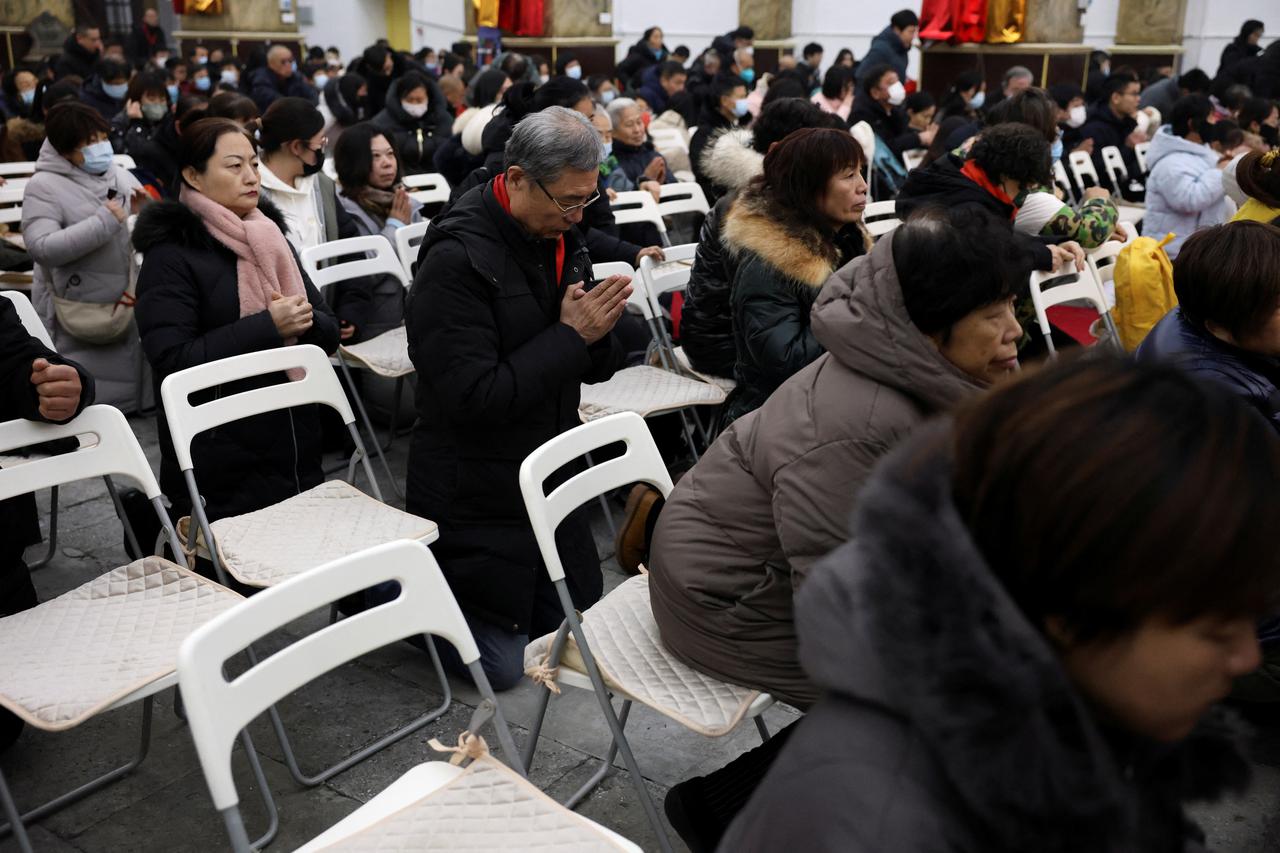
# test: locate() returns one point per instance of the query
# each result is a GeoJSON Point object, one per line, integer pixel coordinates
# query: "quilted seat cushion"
{"type": "Point", "coordinates": [646, 391]}
{"type": "Point", "coordinates": [682, 361]}
{"type": "Point", "coordinates": [487, 807]}
{"type": "Point", "coordinates": [386, 355]}
{"type": "Point", "coordinates": [623, 636]}
{"type": "Point", "coordinates": [69, 658]}
{"type": "Point", "coordinates": [332, 520]}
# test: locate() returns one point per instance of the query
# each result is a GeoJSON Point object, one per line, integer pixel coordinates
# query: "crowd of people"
{"type": "Point", "coordinates": [1049, 580]}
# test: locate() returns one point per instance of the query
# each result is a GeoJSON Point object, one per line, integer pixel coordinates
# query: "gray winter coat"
{"type": "Point", "coordinates": [82, 252]}
{"type": "Point", "coordinates": [723, 572]}
{"type": "Point", "coordinates": [947, 722]}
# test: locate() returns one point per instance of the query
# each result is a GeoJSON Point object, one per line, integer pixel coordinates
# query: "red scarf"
{"type": "Point", "coordinates": [500, 193]}
{"type": "Point", "coordinates": [973, 172]}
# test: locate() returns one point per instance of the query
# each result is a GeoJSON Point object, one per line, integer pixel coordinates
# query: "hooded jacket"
{"type": "Point", "coordinates": [781, 263]}
{"type": "Point", "coordinates": [947, 720]}
{"type": "Point", "coordinates": [886, 49]}
{"type": "Point", "coordinates": [639, 58]}
{"type": "Point", "coordinates": [498, 375]}
{"type": "Point", "coordinates": [892, 126]}
{"type": "Point", "coordinates": [74, 59]}
{"type": "Point", "coordinates": [706, 323]}
{"type": "Point", "coordinates": [1184, 189]}
{"type": "Point", "coordinates": [415, 139]}
{"type": "Point", "coordinates": [723, 573]}
{"type": "Point", "coordinates": [188, 314]}
{"type": "Point", "coordinates": [81, 252]}
{"type": "Point", "coordinates": [1236, 50]}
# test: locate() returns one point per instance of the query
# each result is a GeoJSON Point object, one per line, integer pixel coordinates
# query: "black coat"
{"type": "Point", "coordinates": [415, 139]}
{"type": "Point", "coordinates": [1235, 51]}
{"type": "Point", "coordinates": [265, 87]}
{"type": "Point", "coordinates": [498, 375]}
{"type": "Point", "coordinates": [139, 48]}
{"type": "Point", "coordinates": [92, 94]}
{"type": "Point", "coordinates": [893, 127]}
{"type": "Point", "coordinates": [639, 58]}
{"type": "Point", "coordinates": [152, 146]}
{"type": "Point", "coordinates": [74, 59]}
{"type": "Point", "coordinates": [706, 323]}
{"type": "Point", "coordinates": [634, 159]}
{"type": "Point", "coordinates": [188, 313]}
{"type": "Point", "coordinates": [19, 526]}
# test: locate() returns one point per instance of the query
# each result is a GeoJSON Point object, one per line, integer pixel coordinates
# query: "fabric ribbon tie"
{"type": "Point", "coordinates": [470, 747]}
{"type": "Point", "coordinates": [264, 262]}
{"type": "Point", "coordinates": [504, 199]}
{"type": "Point", "coordinates": [975, 173]}
{"type": "Point", "coordinates": [545, 675]}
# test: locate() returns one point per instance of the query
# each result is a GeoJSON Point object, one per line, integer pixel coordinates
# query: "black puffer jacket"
{"type": "Point", "coordinates": [188, 313]}
{"type": "Point", "coordinates": [498, 375]}
{"type": "Point", "coordinates": [74, 59]}
{"type": "Point", "coordinates": [782, 263]}
{"type": "Point", "coordinates": [415, 138]}
{"type": "Point", "coordinates": [948, 721]}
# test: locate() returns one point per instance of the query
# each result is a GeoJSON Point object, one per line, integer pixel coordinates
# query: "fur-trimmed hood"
{"type": "Point", "coordinates": [796, 249]}
{"type": "Point", "coordinates": [908, 617]}
{"type": "Point", "coordinates": [173, 222]}
{"type": "Point", "coordinates": [729, 161]}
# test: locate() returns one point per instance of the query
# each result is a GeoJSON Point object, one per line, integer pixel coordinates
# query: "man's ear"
{"type": "Point", "coordinates": [516, 177]}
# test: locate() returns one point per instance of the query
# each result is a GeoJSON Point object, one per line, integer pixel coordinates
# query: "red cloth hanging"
{"type": "Point", "coordinates": [521, 17]}
{"type": "Point", "coordinates": [953, 20]}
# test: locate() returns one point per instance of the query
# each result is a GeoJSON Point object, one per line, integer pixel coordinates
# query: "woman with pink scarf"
{"type": "Point", "coordinates": [219, 279]}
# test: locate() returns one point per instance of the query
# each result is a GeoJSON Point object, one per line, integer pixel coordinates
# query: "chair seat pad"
{"type": "Point", "coordinates": [624, 639]}
{"type": "Point", "coordinates": [332, 520]}
{"type": "Point", "coordinates": [646, 391]}
{"type": "Point", "coordinates": [485, 807]}
{"type": "Point", "coordinates": [385, 355]}
{"type": "Point", "coordinates": [73, 656]}
{"type": "Point", "coordinates": [682, 360]}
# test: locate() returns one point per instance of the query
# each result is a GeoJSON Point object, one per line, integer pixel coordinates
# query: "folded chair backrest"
{"type": "Point", "coordinates": [27, 314]}
{"type": "Point", "coordinates": [408, 242]}
{"type": "Point", "coordinates": [638, 300]}
{"type": "Point", "coordinates": [187, 420]}
{"type": "Point", "coordinates": [637, 206]}
{"type": "Point", "coordinates": [682, 197]}
{"type": "Point", "coordinates": [640, 462]}
{"type": "Point", "coordinates": [218, 707]}
{"type": "Point", "coordinates": [1082, 167]}
{"type": "Point", "coordinates": [374, 256]}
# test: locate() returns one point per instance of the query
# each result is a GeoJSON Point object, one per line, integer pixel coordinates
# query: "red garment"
{"type": "Point", "coordinates": [521, 17]}
{"type": "Point", "coordinates": [953, 20]}
{"type": "Point", "coordinates": [973, 172]}
{"type": "Point", "coordinates": [500, 193]}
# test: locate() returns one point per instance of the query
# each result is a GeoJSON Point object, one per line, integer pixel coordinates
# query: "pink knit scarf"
{"type": "Point", "coordinates": [264, 263]}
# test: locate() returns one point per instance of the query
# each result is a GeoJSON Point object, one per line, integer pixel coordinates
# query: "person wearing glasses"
{"type": "Point", "coordinates": [504, 326]}
{"type": "Point", "coordinates": [292, 155]}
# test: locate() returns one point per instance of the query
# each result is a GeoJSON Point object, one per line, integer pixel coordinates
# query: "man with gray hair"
{"type": "Point", "coordinates": [503, 329]}
{"type": "Point", "coordinates": [279, 79]}
{"type": "Point", "coordinates": [1017, 79]}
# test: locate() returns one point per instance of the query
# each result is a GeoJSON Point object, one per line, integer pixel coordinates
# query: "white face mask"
{"type": "Point", "coordinates": [897, 93]}
{"type": "Point", "coordinates": [1144, 122]}
{"type": "Point", "coordinates": [321, 80]}
{"type": "Point", "coordinates": [415, 110]}
{"type": "Point", "coordinates": [1077, 116]}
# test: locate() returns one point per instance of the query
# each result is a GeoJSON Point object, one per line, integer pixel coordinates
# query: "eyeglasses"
{"type": "Point", "coordinates": [567, 209]}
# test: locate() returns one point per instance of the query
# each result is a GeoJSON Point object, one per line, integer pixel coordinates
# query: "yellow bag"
{"type": "Point", "coordinates": [1144, 289]}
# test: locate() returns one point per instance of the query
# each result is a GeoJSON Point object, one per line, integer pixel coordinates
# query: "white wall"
{"type": "Point", "coordinates": [349, 25]}
{"type": "Point", "coordinates": [851, 25]}
{"type": "Point", "coordinates": [1211, 24]}
{"type": "Point", "coordinates": [689, 22]}
{"type": "Point", "coordinates": [436, 23]}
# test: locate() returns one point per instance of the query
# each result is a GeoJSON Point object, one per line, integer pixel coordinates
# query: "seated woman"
{"type": "Point", "coordinates": [416, 119]}
{"type": "Point", "coordinates": [1258, 176]}
{"type": "Point", "coordinates": [374, 198]}
{"type": "Point", "coordinates": [220, 279]}
{"type": "Point", "coordinates": [836, 96]}
{"type": "Point", "coordinates": [1014, 656]}
{"type": "Point", "coordinates": [632, 147]}
{"type": "Point", "coordinates": [74, 211]}
{"type": "Point", "coordinates": [793, 226]}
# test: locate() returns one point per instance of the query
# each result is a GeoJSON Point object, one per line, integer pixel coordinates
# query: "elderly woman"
{"type": "Point", "coordinates": [632, 146]}
{"type": "Point", "coordinates": [74, 211]}
{"type": "Point", "coordinates": [220, 279]}
{"type": "Point", "coordinates": [503, 334]}
{"type": "Point", "coordinates": [1016, 656]}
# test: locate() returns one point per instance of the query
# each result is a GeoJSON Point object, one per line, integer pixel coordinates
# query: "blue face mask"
{"type": "Point", "coordinates": [203, 84]}
{"type": "Point", "coordinates": [432, 67]}
{"type": "Point", "coordinates": [231, 78]}
{"type": "Point", "coordinates": [115, 91]}
{"type": "Point", "coordinates": [657, 52]}
{"type": "Point", "coordinates": [608, 149]}
{"type": "Point", "coordinates": [322, 80]}
{"type": "Point", "coordinates": [976, 102]}
{"type": "Point", "coordinates": [97, 157]}
{"type": "Point", "coordinates": [1056, 151]}
{"type": "Point", "coordinates": [294, 66]}
{"type": "Point", "coordinates": [748, 74]}
{"type": "Point", "coordinates": [173, 93]}
{"type": "Point", "coordinates": [29, 97]}
{"type": "Point", "coordinates": [607, 95]}
{"type": "Point", "coordinates": [573, 72]}
{"type": "Point", "coordinates": [740, 107]}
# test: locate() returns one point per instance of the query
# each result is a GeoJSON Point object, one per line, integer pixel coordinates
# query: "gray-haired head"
{"type": "Point", "coordinates": [619, 106]}
{"type": "Point", "coordinates": [1018, 72]}
{"type": "Point", "coordinates": [546, 143]}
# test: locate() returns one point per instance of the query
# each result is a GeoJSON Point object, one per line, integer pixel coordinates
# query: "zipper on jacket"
{"type": "Point", "coordinates": [419, 134]}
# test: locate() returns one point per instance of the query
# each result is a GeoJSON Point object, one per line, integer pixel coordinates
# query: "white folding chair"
{"type": "Point", "coordinates": [671, 276]}
{"type": "Point", "coordinates": [21, 169]}
{"type": "Point", "coordinates": [471, 800]}
{"type": "Point", "coordinates": [1102, 266]}
{"type": "Point", "coordinates": [638, 206]}
{"type": "Point", "coordinates": [112, 641]}
{"type": "Point", "coordinates": [1081, 168]}
{"type": "Point", "coordinates": [1067, 285]}
{"type": "Point", "coordinates": [913, 158]}
{"type": "Point", "coordinates": [880, 217]}
{"type": "Point", "coordinates": [669, 139]}
{"type": "Point", "coordinates": [385, 355]}
{"type": "Point", "coordinates": [680, 198]}
{"type": "Point", "coordinates": [1060, 178]}
{"type": "Point", "coordinates": [1140, 151]}
{"type": "Point", "coordinates": [11, 204]}
{"type": "Point", "coordinates": [124, 161]}
{"type": "Point", "coordinates": [324, 523]}
{"type": "Point", "coordinates": [430, 188]}
{"type": "Point", "coordinates": [617, 638]}
{"type": "Point", "coordinates": [408, 239]}
{"type": "Point", "coordinates": [1113, 162]}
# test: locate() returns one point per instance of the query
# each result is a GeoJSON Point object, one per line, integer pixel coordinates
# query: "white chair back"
{"type": "Point", "coordinates": [638, 301]}
{"type": "Point", "coordinates": [669, 139]}
{"type": "Point", "coordinates": [21, 169]}
{"type": "Point", "coordinates": [913, 158]}
{"type": "Point", "coordinates": [637, 206]}
{"type": "Point", "coordinates": [1113, 162]}
{"type": "Point", "coordinates": [408, 239]}
{"type": "Point", "coordinates": [866, 137]}
{"type": "Point", "coordinates": [377, 257]}
{"type": "Point", "coordinates": [880, 217]}
{"type": "Point", "coordinates": [672, 274]}
{"type": "Point", "coordinates": [640, 462]}
{"type": "Point", "coordinates": [431, 188]}
{"type": "Point", "coordinates": [187, 420]}
{"type": "Point", "coordinates": [11, 203]}
{"type": "Point", "coordinates": [1082, 167]}
{"type": "Point", "coordinates": [27, 314]}
{"type": "Point", "coordinates": [1102, 265]}
{"type": "Point", "coordinates": [1066, 285]}
{"type": "Point", "coordinates": [218, 708]}
{"type": "Point", "coordinates": [682, 198]}
{"type": "Point", "coordinates": [1140, 151]}
{"type": "Point", "coordinates": [124, 161]}
{"type": "Point", "coordinates": [1060, 178]}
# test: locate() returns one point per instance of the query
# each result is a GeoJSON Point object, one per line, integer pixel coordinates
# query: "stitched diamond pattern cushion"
{"type": "Point", "coordinates": [624, 639]}
{"type": "Point", "coordinates": [67, 659]}
{"type": "Point", "coordinates": [332, 520]}
{"type": "Point", "coordinates": [646, 391]}
{"type": "Point", "coordinates": [386, 355]}
{"type": "Point", "coordinates": [486, 807]}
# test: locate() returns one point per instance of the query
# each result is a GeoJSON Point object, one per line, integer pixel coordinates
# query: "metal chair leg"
{"type": "Point", "coordinates": [606, 767]}
{"type": "Point", "coordinates": [273, 815]}
{"type": "Point", "coordinates": [11, 812]}
{"type": "Point", "coordinates": [53, 532]}
{"type": "Point", "coordinates": [553, 660]}
{"type": "Point", "coordinates": [84, 790]}
{"type": "Point", "coordinates": [368, 425]}
{"type": "Point", "coordinates": [762, 728]}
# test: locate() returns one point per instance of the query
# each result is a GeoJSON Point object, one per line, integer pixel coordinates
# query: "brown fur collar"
{"type": "Point", "coordinates": [797, 249]}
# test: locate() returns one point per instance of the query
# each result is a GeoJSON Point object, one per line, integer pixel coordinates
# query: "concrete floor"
{"type": "Point", "coordinates": [165, 806]}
